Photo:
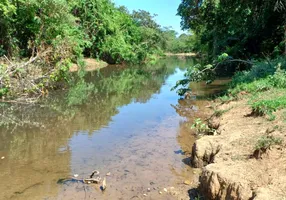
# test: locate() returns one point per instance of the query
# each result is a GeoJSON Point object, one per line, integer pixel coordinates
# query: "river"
{"type": "Point", "coordinates": [133, 127]}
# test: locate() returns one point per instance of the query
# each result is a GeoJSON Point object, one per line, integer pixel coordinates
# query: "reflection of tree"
{"type": "Point", "coordinates": [185, 107]}
{"type": "Point", "coordinates": [32, 159]}
{"type": "Point", "coordinates": [43, 130]}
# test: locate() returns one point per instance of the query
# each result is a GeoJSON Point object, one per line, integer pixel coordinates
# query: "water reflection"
{"type": "Point", "coordinates": [127, 128]}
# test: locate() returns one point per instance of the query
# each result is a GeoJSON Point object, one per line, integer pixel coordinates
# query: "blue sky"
{"type": "Point", "coordinates": [165, 9]}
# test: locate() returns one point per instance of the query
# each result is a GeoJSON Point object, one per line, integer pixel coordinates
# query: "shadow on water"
{"type": "Point", "coordinates": [130, 125]}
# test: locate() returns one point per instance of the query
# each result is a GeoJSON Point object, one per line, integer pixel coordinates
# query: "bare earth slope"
{"type": "Point", "coordinates": [230, 170]}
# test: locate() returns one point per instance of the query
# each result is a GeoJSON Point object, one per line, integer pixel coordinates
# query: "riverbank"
{"type": "Point", "coordinates": [242, 150]}
{"type": "Point", "coordinates": [246, 160]}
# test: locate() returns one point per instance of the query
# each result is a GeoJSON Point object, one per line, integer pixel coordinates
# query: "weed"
{"type": "Point", "coordinates": [265, 142]}
{"type": "Point", "coordinates": [202, 128]}
{"type": "Point", "coordinates": [260, 70]}
{"type": "Point", "coordinates": [262, 77]}
{"type": "Point", "coordinates": [268, 106]}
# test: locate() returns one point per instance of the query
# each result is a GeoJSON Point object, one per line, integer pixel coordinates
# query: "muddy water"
{"type": "Point", "coordinates": [133, 126]}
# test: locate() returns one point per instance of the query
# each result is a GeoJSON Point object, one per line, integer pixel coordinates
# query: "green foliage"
{"type": "Point", "coordinates": [4, 91]}
{"type": "Point", "coordinates": [225, 98]}
{"type": "Point", "coordinates": [79, 93]}
{"type": "Point", "coordinates": [35, 26]}
{"type": "Point", "coordinates": [115, 35]}
{"type": "Point", "coordinates": [265, 142]}
{"type": "Point", "coordinates": [258, 71]}
{"type": "Point", "coordinates": [268, 106]}
{"type": "Point", "coordinates": [265, 82]}
{"type": "Point", "coordinates": [71, 28]}
{"type": "Point", "coordinates": [261, 77]}
{"type": "Point", "coordinates": [199, 73]}
{"type": "Point", "coordinates": [185, 43]}
{"type": "Point", "coordinates": [202, 128]}
{"type": "Point", "coordinates": [61, 32]}
{"type": "Point", "coordinates": [239, 29]}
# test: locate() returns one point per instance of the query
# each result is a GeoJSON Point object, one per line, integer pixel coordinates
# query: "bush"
{"type": "Point", "coordinates": [259, 70]}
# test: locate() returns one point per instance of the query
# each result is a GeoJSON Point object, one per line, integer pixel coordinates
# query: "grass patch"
{"type": "Point", "coordinates": [261, 77]}
{"type": "Point", "coordinates": [265, 142]}
{"type": "Point", "coordinates": [266, 103]}
{"type": "Point", "coordinates": [264, 84]}
{"type": "Point", "coordinates": [263, 107]}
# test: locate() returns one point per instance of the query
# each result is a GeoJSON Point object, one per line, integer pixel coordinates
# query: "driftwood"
{"type": "Point", "coordinates": [90, 180]}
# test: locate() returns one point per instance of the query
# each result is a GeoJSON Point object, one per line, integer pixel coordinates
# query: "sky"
{"type": "Point", "coordinates": [165, 9]}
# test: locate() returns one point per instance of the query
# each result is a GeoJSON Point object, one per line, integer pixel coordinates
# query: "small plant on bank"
{"type": "Point", "coordinates": [202, 128]}
{"type": "Point", "coordinates": [267, 107]}
{"type": "Point", "coordinates": [264, 143]}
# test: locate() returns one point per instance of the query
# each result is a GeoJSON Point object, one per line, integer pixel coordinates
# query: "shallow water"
{"type": "Point", "coordinates": [134, 127]}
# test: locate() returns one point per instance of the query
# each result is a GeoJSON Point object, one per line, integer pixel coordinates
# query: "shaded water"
{"type": "Point", "coordinates": [134, 127]}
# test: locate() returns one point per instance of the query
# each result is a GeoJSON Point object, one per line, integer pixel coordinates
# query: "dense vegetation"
{"type": "Point", "coordinates": [241, 29]}
{"type": "Point", "coordinates": [233, 34]}
{"type": "Point", "coordinates": [90, 27]}
{"type": "Point", "coordinates": [40, 39]}
{"type": "Point", "coordinates": [248, 38]}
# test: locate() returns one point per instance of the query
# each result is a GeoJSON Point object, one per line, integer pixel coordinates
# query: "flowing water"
{"type": "Point", "coordinates": [133, 127]}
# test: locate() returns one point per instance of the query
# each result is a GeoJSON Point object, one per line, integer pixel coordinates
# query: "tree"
{"type": "Point", "coordinates": [240, 29]}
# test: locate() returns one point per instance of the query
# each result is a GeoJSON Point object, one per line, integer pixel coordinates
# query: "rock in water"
{"type": "Point", "coordinates": [103, 187]}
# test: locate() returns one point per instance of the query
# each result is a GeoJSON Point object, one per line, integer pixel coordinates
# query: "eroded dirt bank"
{"type": "Point", "coordinates": [232, 167]}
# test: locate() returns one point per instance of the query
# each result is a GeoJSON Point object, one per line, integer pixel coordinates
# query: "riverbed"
{"type": "Point", "coordinates": [133, 127]}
